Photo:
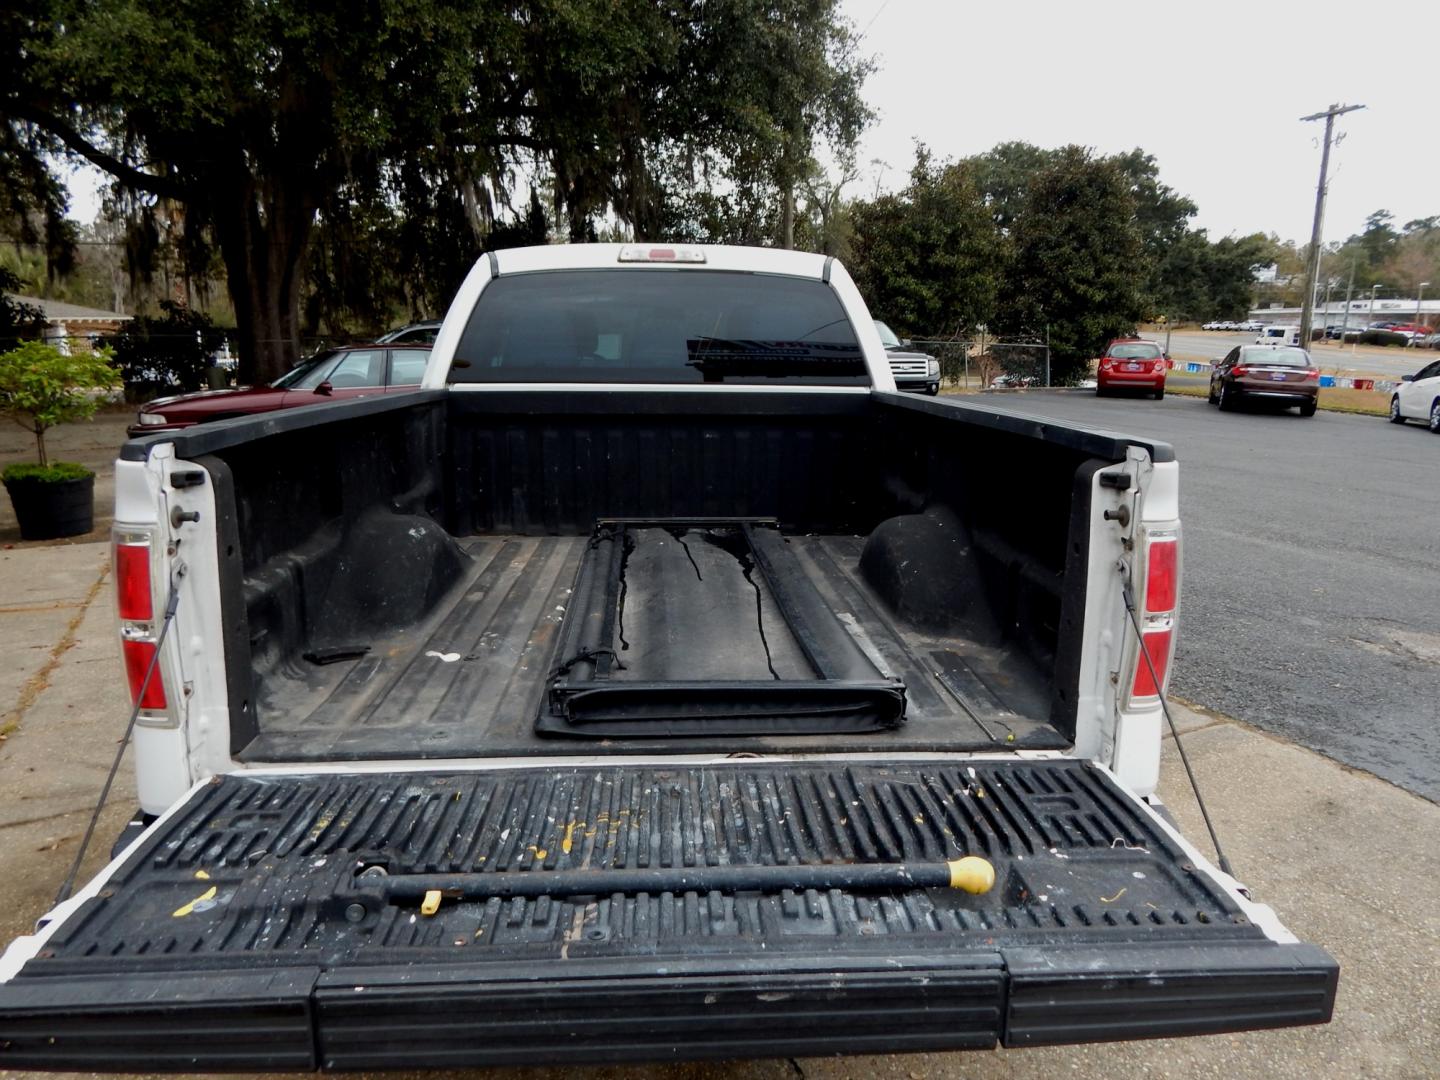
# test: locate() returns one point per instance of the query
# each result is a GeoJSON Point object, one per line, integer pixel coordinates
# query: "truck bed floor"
{"type": "Point", "coordinates": [469, 681]}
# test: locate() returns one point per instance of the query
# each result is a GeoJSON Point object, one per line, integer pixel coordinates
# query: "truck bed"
{"type": "Point", "coordinates": [470, 679]}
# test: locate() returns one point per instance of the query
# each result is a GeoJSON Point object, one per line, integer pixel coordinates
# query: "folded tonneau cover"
{"type": "Point", "coordinates": [253, 927]}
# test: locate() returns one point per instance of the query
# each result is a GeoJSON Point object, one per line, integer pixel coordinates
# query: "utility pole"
{"type": "Point", "coordinates": [1349, 288]}
{"type": "Point", "coordinates": [1312, 276]}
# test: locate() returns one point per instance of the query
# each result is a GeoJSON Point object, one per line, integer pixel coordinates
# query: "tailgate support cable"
{"type": "Point", "coordinates": [170, 605]}
{"type": "Point", "coordinates": [1180, 746]}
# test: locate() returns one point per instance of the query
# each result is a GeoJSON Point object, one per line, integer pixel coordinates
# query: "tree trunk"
{"type": "Point", "coordinates": [264, 229]}
{"type": "Point", "coordinates": [787, 217]}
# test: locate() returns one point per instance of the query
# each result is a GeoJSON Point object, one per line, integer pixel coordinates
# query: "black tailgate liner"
{"type": "Point", "coordinates": [1093, 901]}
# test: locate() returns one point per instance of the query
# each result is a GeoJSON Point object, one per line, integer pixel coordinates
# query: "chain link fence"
{"type": "Point", "coordinates": [986, 364]}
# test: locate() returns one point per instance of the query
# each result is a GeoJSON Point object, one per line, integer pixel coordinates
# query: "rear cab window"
{"type": "Point", "coordinates": [407, 366]}
{"type": "Point", "coordinates": [1139, 350]}
{"type": "Point", "coordinates": [659, 326]}
{"type": "Point", "coordinates": [1277, 357]}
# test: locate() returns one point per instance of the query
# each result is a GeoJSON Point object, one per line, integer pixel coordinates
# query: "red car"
{"type": "Point", "coordinates": [333, 375]}
{"type": "Point", "coordinates": [1132, 364]}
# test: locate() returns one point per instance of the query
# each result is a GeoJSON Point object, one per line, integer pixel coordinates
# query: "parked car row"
{"type": "Point", "coordinates": [1248, 326]}
{"type": "Point", "coordinates": [1279, 373]}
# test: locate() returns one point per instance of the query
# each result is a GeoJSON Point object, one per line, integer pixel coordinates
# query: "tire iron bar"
{"type": "Point", "coordinates": [971, 874]}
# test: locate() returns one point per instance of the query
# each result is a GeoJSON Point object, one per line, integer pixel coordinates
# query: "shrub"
{"type": "Point", "coordinates": [1383, 337]}
{"type": "Point", "coordinates": [172, 349]}
{"type": "Point", "coordinates": [41, 387]}
{"type": "Point", "coordinates": [54, 473]}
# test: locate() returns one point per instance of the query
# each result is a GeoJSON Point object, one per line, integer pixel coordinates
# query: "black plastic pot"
{"type": "Point", "coordinates": [47, 510]}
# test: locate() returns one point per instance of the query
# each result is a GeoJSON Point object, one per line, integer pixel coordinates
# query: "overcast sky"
{"type": "Point", "coordinates": [1214, 90]}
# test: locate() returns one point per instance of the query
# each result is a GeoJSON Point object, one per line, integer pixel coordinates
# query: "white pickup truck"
{"type": "Point", "coordinates": [656, 682]}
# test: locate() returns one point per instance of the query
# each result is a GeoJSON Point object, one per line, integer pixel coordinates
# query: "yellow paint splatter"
{"type": "Point", "coordinates": [185, 909]}
{"type": "Point", "coordinates": [568, 840]}
{"type": "Point", "coordinates": [540, 852]}
{"type": "Point", "coordinates": [1112, 899]}
{"type": "Point", "coordinates": [201, 875]}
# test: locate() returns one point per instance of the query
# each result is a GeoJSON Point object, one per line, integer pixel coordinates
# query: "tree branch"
{"type": "Point", "coordinates": [127, 174]}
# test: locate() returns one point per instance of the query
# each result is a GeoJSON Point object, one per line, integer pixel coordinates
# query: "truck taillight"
{"type": "Point", "coordinates": [1162, 577]}
{"type": "Point", "coordinates": [138, 656]}
{"type": "Point", "coordinates": [1157, 643]}
{"type": "Point", "coordinates": [135, 550]}
{"type": "Point", "coordinates": [1161, 597]}
{"type": "Point", "coordinates": [132, 580]}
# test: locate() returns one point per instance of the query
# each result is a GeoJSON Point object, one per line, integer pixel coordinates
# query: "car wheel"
{"type": "Point", "coordinates": [1395, 416]}
{"type": "Point", "coordinates": [1101, 391]}
{"type": "Point", "coordinates": [1159, 395]}
{"type": "Point", "coordinates": [1227, 398]}
{"type": "Point", "coordinates": [1307, 408]}
{"type": "Point", "coordinates": [1211, 398]}
{"type": "Point", "coordinates": [1435, 417]}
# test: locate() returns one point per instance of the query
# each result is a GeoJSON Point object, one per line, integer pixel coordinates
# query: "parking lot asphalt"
{"type": "Point", "coordinates": [1311, 590]}
{"type": "Point", "coordinates": [1339, 854]}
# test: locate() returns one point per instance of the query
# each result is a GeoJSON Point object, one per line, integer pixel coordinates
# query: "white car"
{"type": "Point", "coordinates": [1251, 325]}
{"type": "Point", "coordinates": [1418, 398]}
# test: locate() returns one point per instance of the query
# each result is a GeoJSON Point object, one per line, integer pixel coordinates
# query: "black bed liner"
{"type": "Point", "coordinates": [242, 932]}
{"type": "Point", "coordinates": [471, 679]}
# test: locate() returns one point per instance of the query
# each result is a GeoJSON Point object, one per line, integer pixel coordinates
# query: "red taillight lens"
{"type": "Point", "coordinates": [1158, 365]}
{"type": "Point", "coordinates": [1312, 374]}
{"type": "Point", "coordinates": [132, 582]}
{"type": "Point", "coordinates": [138, 655]}
{"type": "Point", "coordinates": [1162, 577]}
{"type": "Point", "coordinates": [1157, 643]}
{"type": "Point", "coordinates": [1240, 369]}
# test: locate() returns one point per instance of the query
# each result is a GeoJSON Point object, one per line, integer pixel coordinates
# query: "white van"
{"type": "Point", "coordinates": [1278, 335]}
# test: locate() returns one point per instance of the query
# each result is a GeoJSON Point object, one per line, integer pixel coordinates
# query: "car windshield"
{"type": "Point", "coordinates": [887, 336]}
{"type": "Point", "coordinates": [307, 374]}
{"type": "Point", "coordinates": [1279, 357]}
{"type": "Point", "coordinates": [659, 326]}
{"type": "Point", "coordinates": [1140, 350]}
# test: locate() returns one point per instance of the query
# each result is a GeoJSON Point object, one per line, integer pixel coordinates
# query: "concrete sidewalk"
{"type": "Point", "coordinates": [1348, 861]}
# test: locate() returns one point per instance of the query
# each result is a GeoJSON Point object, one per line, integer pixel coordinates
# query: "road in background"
{"type": "Point", "coordinates": [1391, 363]}
{"type": "Point", "coordinates": [1311, 590]}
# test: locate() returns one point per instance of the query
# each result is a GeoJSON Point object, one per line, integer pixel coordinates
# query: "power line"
{"type": "Point", "coordinates": [878, 12]}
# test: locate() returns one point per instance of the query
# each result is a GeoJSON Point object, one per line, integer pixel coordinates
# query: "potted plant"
{"type": "Point", "coordinates": [41, 387]}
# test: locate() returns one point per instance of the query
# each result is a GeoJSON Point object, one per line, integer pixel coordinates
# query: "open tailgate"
{"type": "Point", "coordinates": [252, 927]}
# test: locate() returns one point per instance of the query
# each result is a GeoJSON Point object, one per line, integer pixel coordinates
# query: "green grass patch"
{"type": "Point", "coordinates": [1332, 398]}
{"type": "Point", "coordinates": [55, 473]}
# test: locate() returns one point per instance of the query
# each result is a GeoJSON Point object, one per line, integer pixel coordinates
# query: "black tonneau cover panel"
{"type": "Point", "coordinates": [247, 920]}
{"type": "Point", "coordinates": [745, 646]}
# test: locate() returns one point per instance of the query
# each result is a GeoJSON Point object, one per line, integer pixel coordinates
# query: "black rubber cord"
{"type": "Point", "coordinates": [1184, 758]}
{"type": "Point", "coordinates": [170, 605]}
